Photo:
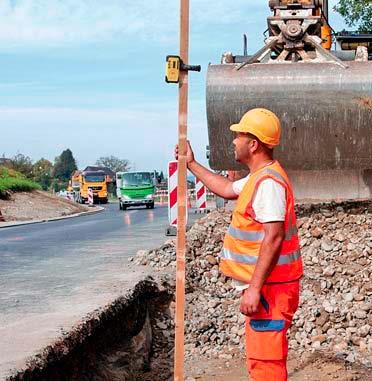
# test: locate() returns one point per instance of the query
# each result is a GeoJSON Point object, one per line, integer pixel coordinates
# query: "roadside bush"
{"type": "Point", "coordinates": [12, 181]}
{"type": "Point", "coordinates": [6, 172]}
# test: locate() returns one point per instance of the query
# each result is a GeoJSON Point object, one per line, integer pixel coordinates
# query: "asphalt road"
{"type": "Point", "coordinates": [43, 261]}
{"type": "Point", "coordinates": [52, 274]}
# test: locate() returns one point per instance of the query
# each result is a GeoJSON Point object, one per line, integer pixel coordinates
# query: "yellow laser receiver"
{"type": "Point", "coordinates": [173, 67]}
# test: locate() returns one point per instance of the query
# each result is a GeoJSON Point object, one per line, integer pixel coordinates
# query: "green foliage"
{"type": "Point", "coordinates": [64, 166]}
{"type": "Point", "coordinates": [357, 13]}
{"type": "Point", "coordinates": [42, 173]}
{"type": "Point", "coordinates": [113, 163]}
{"type": "Point", "coordinates": [9, 172]}
{"type": "Point", "coordinates": [12, 181]}
{"type": "Point", "coordinates": [22, 163]}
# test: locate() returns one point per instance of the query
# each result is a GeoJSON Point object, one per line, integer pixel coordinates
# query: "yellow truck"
{"type": "Point", "coordinates": [81, 182]}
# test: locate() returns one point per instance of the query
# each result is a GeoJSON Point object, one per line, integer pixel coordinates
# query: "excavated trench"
{"type": "Point", "coordinates": [113, 344]}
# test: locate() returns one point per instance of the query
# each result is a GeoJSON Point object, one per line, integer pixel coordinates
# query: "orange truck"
{"type": "Point", "coordinates": [82, 181]}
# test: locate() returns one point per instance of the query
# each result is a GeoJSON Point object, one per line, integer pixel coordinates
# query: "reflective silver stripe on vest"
{"type": "Point", "coordinates": [257, 235]}
{"type": "Point", "coordinates": [240, 258]}
{"type": "Point", "coordinates": [284, 259]}
{"type": "Point", "coordinates": [289, 258]}
{"type": "Point", "coordinates": [273, 173]}
{"type": "Point", "coordinates": [292, 230]}
{"type": "Point", "coordinates": [246, 235]}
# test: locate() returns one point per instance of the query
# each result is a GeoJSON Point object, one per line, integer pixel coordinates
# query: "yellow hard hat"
{"type": "Point", "coordinates": [262, 123]}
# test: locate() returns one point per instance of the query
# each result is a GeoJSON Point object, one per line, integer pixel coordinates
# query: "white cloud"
{"type": "Point", "coordinates": [69, 21]}
{"type": "Point", "coordinates": [58, 22]}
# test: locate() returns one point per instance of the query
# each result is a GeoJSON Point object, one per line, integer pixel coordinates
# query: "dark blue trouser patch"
{"type": "Point", "coordinates": [263, 325]}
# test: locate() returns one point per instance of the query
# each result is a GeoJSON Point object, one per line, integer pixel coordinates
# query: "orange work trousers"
{"type": "Point", "coordinates": [265, 332]}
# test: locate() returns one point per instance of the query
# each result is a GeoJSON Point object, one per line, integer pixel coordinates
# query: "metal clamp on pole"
{"type": "Point", "coordinates": [174, 65]}
{"type": "Point", "coordinates": [185, 67]}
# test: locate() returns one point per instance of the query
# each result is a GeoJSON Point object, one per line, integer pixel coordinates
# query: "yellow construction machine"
{"type": "Point", "coordinates": [322, 96]}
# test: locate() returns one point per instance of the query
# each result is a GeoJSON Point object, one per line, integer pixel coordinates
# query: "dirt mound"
{"type": "Point", "coordinates": [37, 205]}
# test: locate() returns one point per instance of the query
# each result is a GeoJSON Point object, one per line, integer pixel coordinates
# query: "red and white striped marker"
{"type": "Point", "coordinates": [172, 192]}
{"type": "Point", "coordinates": [201, 194]}
{"type": "Point", "coordinates": [90, 196]}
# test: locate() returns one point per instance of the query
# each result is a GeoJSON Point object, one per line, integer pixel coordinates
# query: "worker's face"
{"type": "Point", "coordinates": [244, 147]}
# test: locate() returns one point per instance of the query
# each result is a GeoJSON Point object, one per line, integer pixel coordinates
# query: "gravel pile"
{"type": "Point", "coordinates": [336, 301]}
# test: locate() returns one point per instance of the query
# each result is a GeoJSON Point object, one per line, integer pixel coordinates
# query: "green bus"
{"type": "Point", "coordinates": [135, 189]}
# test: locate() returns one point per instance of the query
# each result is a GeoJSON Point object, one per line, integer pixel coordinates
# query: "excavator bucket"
{"type": "Point", "coordinates": [326, 115]}
{"type": "Point", "coordinates": [323, 99]}
{"type": "Point", "coordinates": [325, 110]}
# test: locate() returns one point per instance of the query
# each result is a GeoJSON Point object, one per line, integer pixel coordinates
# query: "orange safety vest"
{"type": "Point", "coordinates": [243, 240]}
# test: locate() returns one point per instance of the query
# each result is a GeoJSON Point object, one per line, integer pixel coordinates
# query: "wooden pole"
{"type": "Point", "coordinates": [179, 351]}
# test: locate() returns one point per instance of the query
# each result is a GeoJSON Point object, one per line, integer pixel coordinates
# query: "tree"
{"type": "Point", "coordinates": [64, 166]}
{"type": "Point", "coordinates": [114, 163]}
{"type": "Point", "coordinates": [161, 177]}
{"type": "Point", "coordinates": [357, 13]}
{"type": "Point", "coordinates": [42, 173]}
{"type": "Point", "coordinates": [21, 163]}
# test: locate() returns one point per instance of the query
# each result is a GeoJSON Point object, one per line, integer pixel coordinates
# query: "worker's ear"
{"type": "Point", "coordinates": [254, 145]}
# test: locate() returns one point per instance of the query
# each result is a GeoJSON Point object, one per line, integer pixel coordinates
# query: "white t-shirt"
{"type": "Point", "coordinates": [269, 205]}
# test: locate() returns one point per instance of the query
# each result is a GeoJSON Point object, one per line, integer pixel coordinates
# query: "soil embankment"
{"type": "Point", "coordinates": [37, 205]}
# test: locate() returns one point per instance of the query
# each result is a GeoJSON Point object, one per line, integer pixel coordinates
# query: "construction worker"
{"type": "Point", "coordinates": [261, 250]}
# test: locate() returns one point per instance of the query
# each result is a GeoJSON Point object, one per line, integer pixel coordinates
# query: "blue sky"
{"type": "Point", "coordinates": [89, 75]}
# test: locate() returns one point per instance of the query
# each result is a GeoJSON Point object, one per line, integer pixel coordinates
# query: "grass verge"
{"type": "Point", "coordinates": [12, 181]}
